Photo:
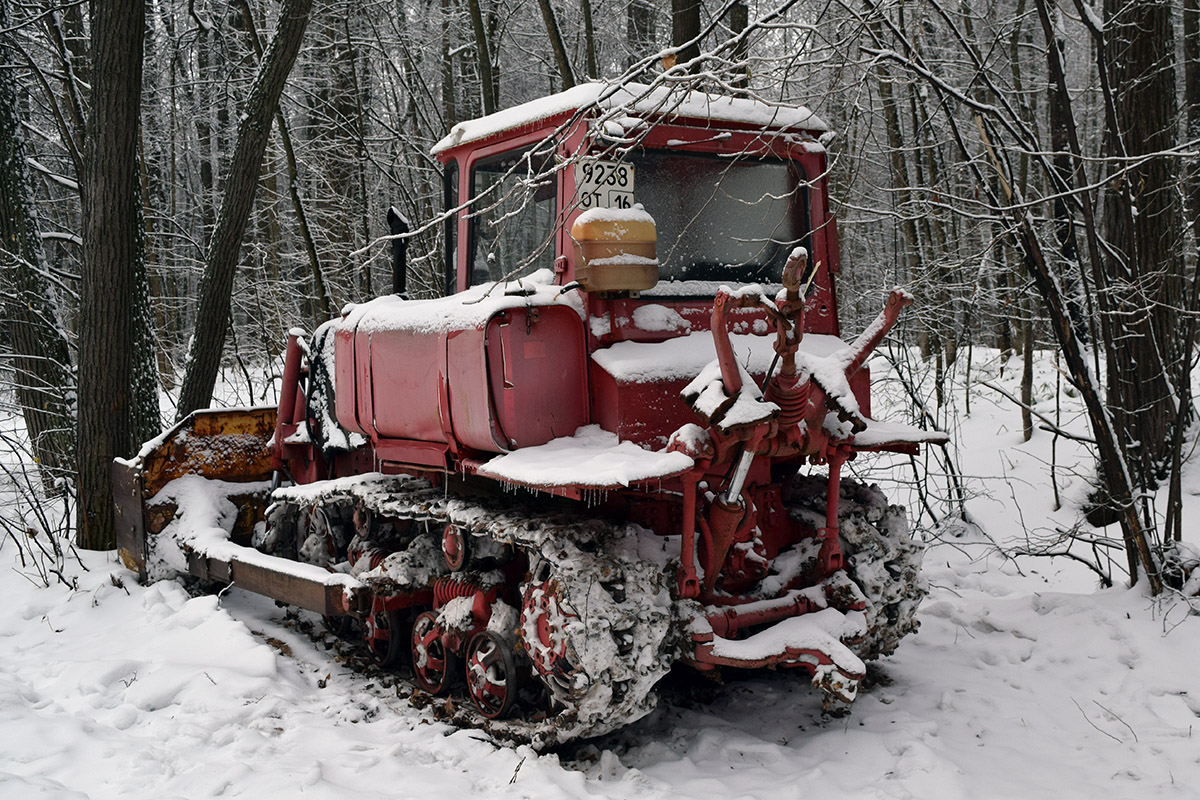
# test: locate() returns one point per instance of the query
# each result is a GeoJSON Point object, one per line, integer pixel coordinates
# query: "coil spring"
{"type": "Point", "coordinates": [447, 588]}
{"type": "Point", "coordinates": [792, 400]}
{"type": "Point", "coordinates": [376, 555]}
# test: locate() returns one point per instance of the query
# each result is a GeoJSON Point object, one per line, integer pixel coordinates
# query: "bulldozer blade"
{"type": "Point", "coordinates": [222, 444]}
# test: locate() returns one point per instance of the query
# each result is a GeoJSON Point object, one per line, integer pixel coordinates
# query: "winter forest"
{"type": "Point", "coordinates": [182, 183]}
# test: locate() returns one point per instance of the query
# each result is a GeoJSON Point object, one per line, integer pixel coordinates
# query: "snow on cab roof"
{"type": "Point", "coordinates": [635, 98]}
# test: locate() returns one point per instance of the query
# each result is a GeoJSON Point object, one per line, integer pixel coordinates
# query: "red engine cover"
{"type": "Point", "coordinates": [517, 378]}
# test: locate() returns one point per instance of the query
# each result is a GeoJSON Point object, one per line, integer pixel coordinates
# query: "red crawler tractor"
{"type": "Point", "coordinates": [615, 445]}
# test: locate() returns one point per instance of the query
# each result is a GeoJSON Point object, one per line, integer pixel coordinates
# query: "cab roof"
{"type": "Point", "coordinates": [631, 100]}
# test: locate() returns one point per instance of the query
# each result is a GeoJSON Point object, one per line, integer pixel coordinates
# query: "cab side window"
{"type": "Point", "coordinates": [513, 215]}
{"type": "Point", "coordinates": [450, 231]}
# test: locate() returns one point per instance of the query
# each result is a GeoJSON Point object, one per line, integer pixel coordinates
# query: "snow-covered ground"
{"type": "Point", "coordinates": [1024, 680]}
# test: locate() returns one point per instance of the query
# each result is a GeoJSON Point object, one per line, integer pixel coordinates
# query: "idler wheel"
{"type": "Point", "coordinates": [491, 672]}
{"type": "Point", "coordinates": [456, 547]}
{"type": "Point", "coordinates": [384, 633]}
{"type": "Point", "coordinates": [432, 664]}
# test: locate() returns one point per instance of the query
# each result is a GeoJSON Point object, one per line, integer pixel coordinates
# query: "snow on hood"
{"type": "Point", "coordinates": [683, 357]}
{"type": "Point", "coordinates": [635, 98]}
{"type": "Point", "coordinates": [469, 309]}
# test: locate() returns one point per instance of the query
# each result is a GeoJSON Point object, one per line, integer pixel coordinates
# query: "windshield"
{"type": "Point", "coordinates": [721, 219]}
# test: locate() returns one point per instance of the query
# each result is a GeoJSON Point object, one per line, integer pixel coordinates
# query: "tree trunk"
{"type": "Point", "coordinates": [43, 378]}
{"type": "Point", "coordinates": [293, 169]}
{"type": "Point", "coordinates": [206, 105]}
{"type": "Point", "coordinates": [1114, 465]}
{"type": "Point", "coordinates": [1064, 223]}
{"type": "Point", "coordinates": [111, 234]}
{"type": "Point", "coordinates": [483, 59]}
{"type": "Point", "coordinates": [910, 256]}
{"type": "Point", "coordinates": [1027, 370]}
{"type": "Point", "coordinates": [361, 197]}
{"type": "Point", "coordinates": [556, 44]}
{"type": "Point", "coordinates": [1191, 98]}
{"type": "Point", "coordinates": [145, 420]}
{"type": "Point", "coordinates": [449, 101]}
{"type": "Point", "coordinates": [71, 45]}
{"type": "Point", "coordinates": [739, 20]}
{"type": "Point", "coordinates": [685, 31]}
{"type": "Point", "coordinates": [254, 131]}
{"type": "Point", "coordinates": [639, 30]}
{"type": "Point", "coordinates": [589, 39]}
{"type": "Point", "coordinates": [1143, 225]}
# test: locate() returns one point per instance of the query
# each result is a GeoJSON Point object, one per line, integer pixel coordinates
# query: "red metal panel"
{"type": "Point", "coordinates": [441, 388]}
{"type": "Point", "coordinates": [860, 385]}
{"type": "Point", "coordinates": [821, 316]}
{"type": "Point", "coordinates": [605, 399]}
{"type": "Point", "coordinates": [429, 454]}
{"type": "Point", "coordinates": [406, 369]}
{"type": "Point", "coordinates": [470, 401]}
{"type": "Point", "coordinates": [345, 386]}
{"type": "Point", "coordinates": [364, 406]}
{"type": "Point", "coordinates": [537, 360]}
{"type": "Point", "coordinates": [643, 412]}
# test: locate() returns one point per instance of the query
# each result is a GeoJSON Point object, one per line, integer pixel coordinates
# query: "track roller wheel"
{"type": "Point", "coordinates": [433, 665]}
{"type": "Point", "coordinates": [385, 636]}
{"type": "Point", "coordinates": [492, 677]}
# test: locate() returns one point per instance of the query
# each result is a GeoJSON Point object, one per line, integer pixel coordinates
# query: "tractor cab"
{"type": "Point", "coordinates": [731, 185]}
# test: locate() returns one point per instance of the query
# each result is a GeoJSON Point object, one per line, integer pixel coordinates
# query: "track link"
{"type": "Point", "coordinates": [882, 558]}
{"type": "Point", "coordinates": [594, 623]}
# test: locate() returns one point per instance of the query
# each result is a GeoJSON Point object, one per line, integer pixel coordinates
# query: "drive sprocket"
{"type": "Point", "coordinates": [596, 621]}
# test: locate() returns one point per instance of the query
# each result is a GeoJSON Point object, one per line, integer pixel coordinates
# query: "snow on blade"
{"type": "Point", "coordinates": [592, 458]}
{"type": "Point", "coordinates": [204, 519]}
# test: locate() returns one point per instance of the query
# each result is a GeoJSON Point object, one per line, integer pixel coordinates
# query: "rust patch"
{"type": "Point", "coordinates": [230, 445]}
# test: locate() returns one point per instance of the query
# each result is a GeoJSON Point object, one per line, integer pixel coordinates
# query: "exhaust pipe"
{"type": "Point", "coordinates": [399, 226]}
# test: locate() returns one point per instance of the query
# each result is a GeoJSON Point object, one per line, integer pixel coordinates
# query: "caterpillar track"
{"type": "Point", "coordinates": [576, 613]}
{"type": "Point", "coordinates": [583, 615]}
{"type": "Point", "coordinates": [882, 559]}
